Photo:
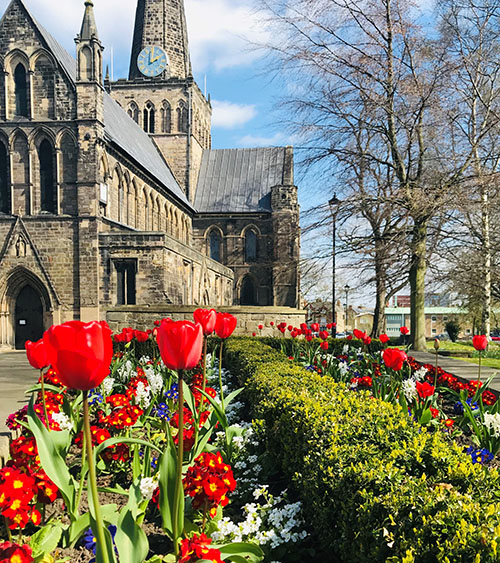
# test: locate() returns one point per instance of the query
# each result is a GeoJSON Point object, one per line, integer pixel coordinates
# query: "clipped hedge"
{"type": "Point", "coordinates": [375, 486]}
{"type": "Point", "coordinates": [335, 345]}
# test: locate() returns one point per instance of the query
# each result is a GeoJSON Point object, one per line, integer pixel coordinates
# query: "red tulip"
{"type": "Point", "coordinates": [404, 330]}
{"type": "Point", "coordinates": [207, 318]}
{"type": "Point", "coordinates": [260, 327]}
{"type": "Point", "coordinates": [37, 354]}
{"type": "Point", "coordinates": [272, 323]}
{"type": "Point", "coordinates": [383, 338]}
{"type": "Point", "coordinates": [254, 334]}
{"type": "Point", "coordinates": [80, 352]}
{"type": "Point", "coordinates": [425, 389]}
{"type": "Point", "coordinates": [349, 337]}
{"type": "Point", "coordinates": [394, 358]}
{"type": "Point", "coordinates": [324, 345]}
{"type": "Point", "coordinates": [480, 342]}
{"type": "Point", "coordinates": [225, 325]}
{"type": "Point", "coordinates": [180, 343]}
{"type": "Point", "coordinates": [315, 327]}
{"type": "Point", "coordinates": [303, 327]}
{"type": "Point", "coordinates": [309, 337]}
{"type": "Point", "coordinates": [323, 335]}
{"type": "Point", "coordinates": [359, 334]}
{"type": "Point", "coordinates": [140, 335]}
{"type": "Point", "coordinates": [367, 340]}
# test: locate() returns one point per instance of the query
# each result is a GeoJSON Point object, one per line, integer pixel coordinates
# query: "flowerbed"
{"type": "Point", "coordinates": [376, 485]}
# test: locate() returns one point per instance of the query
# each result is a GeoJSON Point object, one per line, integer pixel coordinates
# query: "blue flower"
{"type": "Point", "coordinates": [173, 392]}
{"type": "Point", "coordinates": [89, 540]}
{"type": "Point", "coordinates": [163, 412]}
{"type": "Point", "coordinates": [310, 368]}
{"type": "Point", "coordinates": [479, 455]}
{"type": "Point", "coordinates": [458, 408]}
{"type": "Point", "coordinates": [95, 397]}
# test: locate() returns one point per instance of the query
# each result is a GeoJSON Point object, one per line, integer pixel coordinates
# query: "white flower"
{"type": "Point", "coordinates": [420, 374]}
{"type": "Point", "coordinates": [126, 371]}
{"type": "Point", "coordinates": [143, 394]}
{"type": "Point", "coordinates": [410, 389]}
{"type": "Point", "coordinates": [343, 368]}
{"type": "Point", "coordinates": [261, 492]}
{"type": "Point", "coordinates": [345, 349]}
{"type": "Point", "coordinates": [63, 420]}
{"type": "Point", "coordinates": [155, 380]}
{"type": "Point", "coordinates": [107, 385]}
{"type": "Point", "coordinates": [492, 423]}
{"type": "Point", "coordinates": [147, 487]}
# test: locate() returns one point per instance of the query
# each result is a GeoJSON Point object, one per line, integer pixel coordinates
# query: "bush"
{"type": "Point", "coordinates": [375, 486]}
{"type": "Point", "coordinates": [452, 327]}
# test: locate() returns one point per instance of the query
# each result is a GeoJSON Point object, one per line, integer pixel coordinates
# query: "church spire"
{"type": "Point", "coordinates": [89, 27]}
{"type": "Point", "coordinates": [161, 23]}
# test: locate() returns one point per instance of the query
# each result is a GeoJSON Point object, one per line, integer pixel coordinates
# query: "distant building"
{"type": "Point", "coordinates": [435, 320]}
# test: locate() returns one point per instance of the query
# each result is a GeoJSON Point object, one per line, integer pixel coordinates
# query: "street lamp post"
{"type": "Point", "coordinates": [346, 288]}
{"type": "Point", "coordinates": [334, 207]}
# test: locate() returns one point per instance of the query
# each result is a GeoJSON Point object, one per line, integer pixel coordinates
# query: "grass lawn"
{"type": "Point", "coordinates": [487, 362]}
{"type": "Point", "coordinates": [452, 346]}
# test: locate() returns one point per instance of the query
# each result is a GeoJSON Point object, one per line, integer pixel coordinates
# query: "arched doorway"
{"type": "Point", "coordinates": [28, 317]}
{"type": "Point", "coordinates": [247, 292]}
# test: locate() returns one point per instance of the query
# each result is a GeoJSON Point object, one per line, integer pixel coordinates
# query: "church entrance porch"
{"type": "Point", "coordinates": [28, 317]}
{"type": "Point", "coordinates": [25, 309]}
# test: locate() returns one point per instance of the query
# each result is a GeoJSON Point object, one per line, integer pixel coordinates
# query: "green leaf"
{"type": "Point", "coordinates": [218, 409]}
{"type": "Point", "coordinates": [240, 551]}
{"type": "Point", "coordinates": [189, 398]}
{"type": "Point", "coordinates": [112, 441]}
{"type": "Point", "coordinates": [52, 449]}
{"type": "Point", "coordinates": [108, 548]}
{"type": "Point", "coordinates": [425, 417]}
{"type": "Point", "coordinates": [45, 540]}
{"type": "Point", "coordinates": [232, 396]}
{"type": "Point", "coordinates": [131, 540]}
{"type": "Point", "coordinates": [167, 483]}
{"type": "Point", "coordinates": [136, 463]}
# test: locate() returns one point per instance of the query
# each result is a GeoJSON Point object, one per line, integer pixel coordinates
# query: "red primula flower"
{"type": "Point", "coordinates": [15, 553]}
{"type": "Point", "coordinates": [196, 549]}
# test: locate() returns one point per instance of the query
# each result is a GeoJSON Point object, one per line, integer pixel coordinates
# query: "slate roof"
{"type": "Point", "coordinates": [119, 128]}
{"type": "Point", "coordinates": [239, 180]}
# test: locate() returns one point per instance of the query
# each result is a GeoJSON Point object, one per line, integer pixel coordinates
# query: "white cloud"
{"type": "Point", "coordinates": [256, 141]}
{"type": "Point", "coordinates": [229, 115]}
{"type": "Point", "coordinates": [218, 30]}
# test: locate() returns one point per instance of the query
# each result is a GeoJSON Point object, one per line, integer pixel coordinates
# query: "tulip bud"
{"type": "Point", "coordinates": [436, 344]}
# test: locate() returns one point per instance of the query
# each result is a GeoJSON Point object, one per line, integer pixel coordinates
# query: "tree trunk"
{"type": "Point", "coordinates": [486, 297]}
{"type": "Point", "coordinates": [417, 285]}
{"type": "Point", "coordinates": [381, 296]}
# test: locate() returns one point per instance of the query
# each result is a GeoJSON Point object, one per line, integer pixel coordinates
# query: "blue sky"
{"type": "Point", "coordinates": [219, 32]}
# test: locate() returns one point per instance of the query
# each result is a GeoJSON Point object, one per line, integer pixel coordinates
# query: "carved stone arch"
{"type": "Point", "coordinates": [22, 319]}
{"type": "Point", "coordinates": [43, 85]}
{"type": "Point", "coordinates": [214, 243]}
{"type": "Point", "coordinates": [176, 224]}
{"type": "Point", "coordinates": [170, 220]}
{"type": "Point", "coordinates": [165, 217]}
{"type": "Point", "coordinates": [166, 117]}
{"type": "Point", "coordinates": [41, 52]}
{"type": "Point", "coordinates": [182, 117]}
{"type": "Point", "coordinates": [17, 67]}
{"type": "Point", "coordinates": [20, 172]}
{"type": "Point", "coordinates": [252, 227]}
{"type": "Point", "coordinates": [149, 117]}
{"type": "Point", "coordinates": [246, 288]}
{"type": "Point", "coordinates": [86, 63]}
{"type": "Point", "coordinates": [5, 176]}
{"type": "Point", "coordinates": [133, 111]}
{"type": "Point", "coordinates": [134, 219]}
{"type": "Point", "coordinates": [147, 205]}
{"type": "Point", "coordinates": [36, 136]}
{"type": "Point", "coordinates": [67, 148]}
{"type": "Point", "coordinates": [104, 168]}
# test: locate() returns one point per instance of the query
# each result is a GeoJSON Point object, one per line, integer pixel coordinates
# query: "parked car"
{"type": "Point", "coordinates": [443, 336]}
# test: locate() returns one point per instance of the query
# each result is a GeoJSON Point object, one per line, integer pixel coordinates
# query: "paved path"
{"type": "Point", "coordinates": [459, 368]}
{"type": "Point", "coordinates": [16, 375]}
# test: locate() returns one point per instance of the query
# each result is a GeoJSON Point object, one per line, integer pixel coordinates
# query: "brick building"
{"type": "Point", "coordinates": [110, 193]}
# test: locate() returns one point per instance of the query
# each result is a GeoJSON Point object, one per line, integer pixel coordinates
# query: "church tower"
{"type": "Point", "coordinates": [160, 93]}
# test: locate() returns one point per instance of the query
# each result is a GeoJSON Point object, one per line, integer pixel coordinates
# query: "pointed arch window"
{"type": "Point", "coordinates": [247, 293]}
{"type": "Point", "coordinates": [182, 118]}
{"type": "Point", "coordinates": [133, 111]}
{"type": "Point", "coordinates": [21, 90]}
{"type": "Point", "coordinates": [47, 176]}
{"type": "Point", "coordinates": [250, 246]}
{"type": "Point", "coordinates": [4, 180]}
{"type": "Point", "coordinates": [149, 118]}
{"type": "Point", "coordinates": [166, 118]}
{"type": "Point", "coordinates": [215, 243]}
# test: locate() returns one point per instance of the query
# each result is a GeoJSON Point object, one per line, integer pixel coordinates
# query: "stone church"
{"type": "Point", "coordinates": [110, 192]}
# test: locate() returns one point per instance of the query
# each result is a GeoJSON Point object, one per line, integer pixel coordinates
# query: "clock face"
{"type": "Point", "coordinates": [152, 60]}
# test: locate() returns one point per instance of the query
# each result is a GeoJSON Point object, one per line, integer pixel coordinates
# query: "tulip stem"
{"type": "Point", "coordinates": [436, 370]}
{"type": "Point", "coordinates": [204, 362]}
{"type": "Point", "coordinates": [82, 475]}
{"type": "Point", "coordinates": [220, 375]}
{"type": "Point", "coordinates": [479, 371]}
{"type": "Point", "coordinates": [178, 497]}
{"type": "Point", "coordinates": [42, 381]}
{"type": "Point", "coordinates": [101, 542]}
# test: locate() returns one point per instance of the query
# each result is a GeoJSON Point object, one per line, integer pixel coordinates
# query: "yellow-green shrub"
{"type": "Point", "coordinates": [375, 486]}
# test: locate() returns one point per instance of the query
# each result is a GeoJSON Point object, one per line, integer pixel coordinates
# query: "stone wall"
{"type": "Point", "coordinates": [249, 318]}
